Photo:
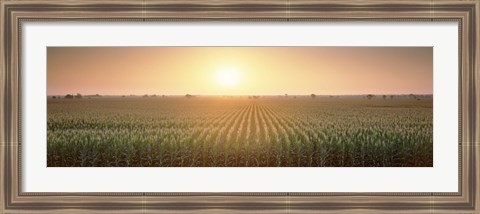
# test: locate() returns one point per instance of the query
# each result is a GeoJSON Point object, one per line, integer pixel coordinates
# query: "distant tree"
{"type": "Point", "coordinates": [163, 96]}
{"type": "Point", "coordinates": [412, 96]}
{"type": "Point", "coordinates": [313, 95]}
{"type": "Point", "coordinates": [286, 95]}
{"type": "Point", "coordinates": [68, 96]}
{"type": "Point", "coordinates": [154, 95]}
{"type": "Point", "coordinates": [189, 96]}
{"type": "Point", "coordinates": [54, 97]}
{"type": "Point", "coordinates": [146, 95]}
{"type": "Point", "coordinates": [97, 95]}
{"type": "Point", "coordinates": [384, 96]}
{"type": "Point", "coordinates": [78, 96]}
{"type": "Point", "coordinates": [391, 96]}
{"type": "Point", "coordinates": [123, 95]}
{"type": "Point", "coordinates": [370, 96]}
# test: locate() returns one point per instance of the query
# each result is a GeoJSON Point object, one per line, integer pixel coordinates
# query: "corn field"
{"type": "Point", "coordinates": [239, 132]}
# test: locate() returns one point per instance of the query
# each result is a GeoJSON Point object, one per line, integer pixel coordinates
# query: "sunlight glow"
{"type": "Point", "coordinates": [228, 77]}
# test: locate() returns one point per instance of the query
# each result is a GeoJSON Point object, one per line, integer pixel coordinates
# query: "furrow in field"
{"type": "Point", "coordinates": [299, 139]}
{"type": "Point", "coordinates": [258, 125]}
{"type": "Point", "coordinates": [180, 146]}
{"type": "Point", "coordinates": [227, 126]}
{"type": "Point", "coordinates": [282, 144]}
{"type": "Point", "coordinates": [206, 127]}
{"type": "Point", "coordinates": [225, 138]}
{"type": "Point", "coordinates": [254, 142]}
{"type": "Point", "coordinates": [248, 125]}
{"type": "Point", "coordinates": [220, 126]}
{"type": "Point", "coordinates": [270, 130]}
{"type": "Point", "coordinates": [269, 138]}
{"type": "Point", "coordinates": [279, 124]}
{"type": "Point", "coordinates": [242, 143]}
{"type": "Point", "coordinates": [241, 126]}
{"type": "Point", "coordinates": [251, 125]}
{"type": "Point", "coordinates": [218, 117]}
{"type": "Point", "coordinates": [262, 124]}
{"type": "Point", "coordinates": [223, 142]}
{"type": "Point", "coordinates": [234, 125]}
{"type": "Point", "coordinates": [295, 125]}
{"type": "Point", "coordinates": [200, 143]}
{"type": "Point", "coordinates": [296, 119]}
{"type": "Point", "coordinates": [232, 147]}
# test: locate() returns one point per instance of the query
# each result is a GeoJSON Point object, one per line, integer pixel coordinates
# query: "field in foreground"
{"type": "Point", "coordinates": [239, 132]}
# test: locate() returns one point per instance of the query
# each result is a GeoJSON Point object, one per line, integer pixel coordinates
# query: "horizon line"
{"type": "Point", "coordinates": [239, 94]}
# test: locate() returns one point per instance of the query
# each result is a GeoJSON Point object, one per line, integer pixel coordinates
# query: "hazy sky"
{"type": "Point", "coordinates": [239, 70]}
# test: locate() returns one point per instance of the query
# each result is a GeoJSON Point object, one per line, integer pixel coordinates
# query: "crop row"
{"type": "Point", "coordinates": [260, 133]}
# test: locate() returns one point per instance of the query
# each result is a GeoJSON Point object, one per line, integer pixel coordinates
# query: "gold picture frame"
{"type": "Point", "coordinates": [13, 13]}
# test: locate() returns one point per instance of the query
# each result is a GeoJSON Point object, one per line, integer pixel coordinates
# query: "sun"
{"type": "Point", "coordinates": [228, 77]}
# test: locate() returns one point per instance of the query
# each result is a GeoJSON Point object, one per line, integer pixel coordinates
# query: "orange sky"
{"type": "Point", "coordinates": [259, 70]}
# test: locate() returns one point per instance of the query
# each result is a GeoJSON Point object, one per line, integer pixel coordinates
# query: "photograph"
{"type": "Point", "coordinates": [240, 106]}
{"type": "Point", "coordinates": [234, 106]}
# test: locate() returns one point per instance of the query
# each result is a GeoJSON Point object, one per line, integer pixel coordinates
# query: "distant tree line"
{"type": "Point", "coordinates": [410, 96]}
{"type": "Point", "coordinates": [71, 96]}
{"type": "Point", "coordinates": [77, 96]}
{"type": "Point", "coordinates": [313, 96]}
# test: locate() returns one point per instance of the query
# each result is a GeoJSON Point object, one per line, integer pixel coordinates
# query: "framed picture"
{"type": "Point", "coordinates": [239, 106]}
